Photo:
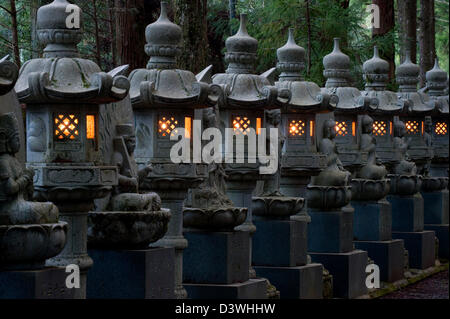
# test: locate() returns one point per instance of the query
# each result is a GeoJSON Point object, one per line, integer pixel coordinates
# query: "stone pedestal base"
{"type": "Point", "coordinates": [388, 255]}
{"type": "Point", "coordinates": [436, 206]}
{"type": "Point", "coordinates": [250, 289]}
{"type": "Point", "coordinates": [442, 233]}
{"type": "Point", "coordinates": [303, 282]}
{"type": "Point", "coordinates": [280, 243]}
{"type": "Point", "coordinates": [407, 213]}
{"type": "Point", "coordinates": [331, 231]}
{"type": "Point", "coordinates": [47, 283]}
{"type": "Point", "coordinates": [216, 257]}
{"type": "Point", "coordinates": [372, 221]}
{"type": "Point", "coordinates": [420, 246]}
{"type": "Point", "coordinates": [132, 274]}
{"type": "Point", "coordinates": [348, 271]}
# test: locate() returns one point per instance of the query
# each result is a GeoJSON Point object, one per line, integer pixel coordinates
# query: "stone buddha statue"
{"type": "Point", "coordinates": [334, 174]}
{"type": "Point", "coordinates": [125, 196]}
{"type": "Point", "coordinates": [273, 120]}
{"type": "Point", "coordinates": [373, 169]}
{"type": "Point", "coordinates": [16, 182]}
{"type": "Point", "coordinates": [403, 165]}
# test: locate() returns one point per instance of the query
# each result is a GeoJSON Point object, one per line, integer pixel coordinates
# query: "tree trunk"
{"type": "Point", "coordinates": [426, 38]}
{"type": "Point", "coordinates": [232, 8]}
{"type": "Point", "coordinates": [35, 46]}
{"type": "Point", "coordinates": [308, 24]}
{"type": "Point", "coordinates": [407, 18]}
{"type": "Point", "coordinates": [112, 34]}
{"type": "Point", "coordinates": [98, 55]}
{"type": "Point", "coordinates": [15, 36]}
{"type": "Point", "coordinates": [190, 15]}
{"type": "Point", "coordinates": [132, 17]}
{"type": "Point", "coordinates": [387, 24]}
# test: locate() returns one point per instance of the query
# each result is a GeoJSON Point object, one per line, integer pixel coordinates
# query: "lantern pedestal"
{"type": "Point", "coordinates": [408, 224]}
{"type": "Point", "coordinates": [216, 266]}
{"type": "Point", "coordinates": [330, 242]}
{"type": "Point", "coordinates": [372, 229]}
{"type": "Point", "coordinates": [47, 283]}
{"type": "Point", "coordinates": [287, 265]}
{"type": "Point", "coordinates": [436, 218]}
{"type": "Point", "coordinates": [132, 274]}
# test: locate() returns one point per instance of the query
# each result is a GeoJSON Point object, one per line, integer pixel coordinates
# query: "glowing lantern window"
{"type": "Point", "coordinates": [342, 129]}
{"type": "Point", "coordinates": [297, 128]}
{"type": "Point", "coordinates": [441, 128]}
{"type": "Point", "coordinates": [66, 127]}
{"type": "Point", "coordinates": [167, 125]}
{"type": "Point", "coordinates": [241, 125]}
{"type": "Point", "coordinates": [90, 127]}
{"type": "Point", "coordinates": [379, 128]}
{"type": "Point", "coordinates": [311, 128]}
{"type": "Point", "coordinates": [258, 125]}
{"type": "Point", "coordinates": [412, 127]}
{"type": "Point", "coordinates": [187, 127]}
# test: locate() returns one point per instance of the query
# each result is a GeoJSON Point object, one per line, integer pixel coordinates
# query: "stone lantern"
{"type": "Point", "coordinates": [164, 99]}
{"type": "Point", "coordinates": [392, 149]}
{"type": "Point", "coordinates": [63, 93]}
{"type": "Point", "coordinates": [349, 108]}
{"type": "Point", "coordinates": [435, 182]}
{"type": "Point", "coordinates": [242, 98]}
{"type": "Point", "coordinates": [30, 231]}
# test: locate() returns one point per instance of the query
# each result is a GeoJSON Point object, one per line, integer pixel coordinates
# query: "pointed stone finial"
{"type": "Point", "coordinates": [407, 74]}
{"type": "Point", "coordinates": [376, 72]}
{"type": "Point", "coordinates": [59, 28]}
{"type": "Point", "coordinates": [241, 50]}
{"type": "Point", "coordinates": [436, 80]}
{"type": "Point", "coordinates": [163, 41]}
{"type": "Point", "coordinates": [291, 60]}
{"type": "Point", "coordinates": [337, 67]}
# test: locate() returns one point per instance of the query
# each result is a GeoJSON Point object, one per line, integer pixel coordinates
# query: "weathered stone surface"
{"type": "Point", "coordinates": [132, 274]}
{"type": "Point", "coordinates": [407, 213]}
{"type": "Point", "coordinates": [251, 289]}
{"type": "Point", "coordinates": [301, 282]}
{"type": "Point", "coordinates": [420, 246]}
{"type": "Point", "coordinates": [372, 221]}
{"type": "Point", "coordinates": [442, 233]}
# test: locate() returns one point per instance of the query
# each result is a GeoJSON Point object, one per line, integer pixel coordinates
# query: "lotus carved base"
{"type": "Point", "coordinates": [328, 197]}
{"type": "Point", "coordinates": [277, 206]}
{"type": "Point", "coordinates": [369, 189]}
{"type": "Point", "coordinates": [216, 219]}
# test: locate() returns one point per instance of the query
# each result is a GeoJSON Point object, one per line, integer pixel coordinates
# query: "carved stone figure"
{"type": "Point", "coordinates": [16, 182]}
{"type": "Point", "coordinates": [404, 166]}
{"type": "Point", "coordinates": [373, 169]}
{"type": "Point", "coordinates": [334, 174]}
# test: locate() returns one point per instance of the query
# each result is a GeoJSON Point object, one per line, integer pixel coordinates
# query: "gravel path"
{"type": "Point", "coordinates": [435, 287]}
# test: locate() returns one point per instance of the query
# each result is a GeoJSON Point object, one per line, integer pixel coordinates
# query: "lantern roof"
{"type": "Point", "coordinates": [161, 84]}
{"type": "Point", "coordinates": [408, 77]}
{"type": "Point", "coordinates": [61, 75]}
{"type": "Point", "coordinates": [294, 93]}
{"type": "Point", "coordinates": [8, 75]}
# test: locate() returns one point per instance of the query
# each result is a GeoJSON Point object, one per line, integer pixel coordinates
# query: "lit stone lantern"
{"type": "Point", "coordinates": [303, 110]}
{"type": "Point", "coordinates": [437, 89]}
{"type": "Point", "coordinates": [245, 96]}
{"type": "Point", "coordinates": [164, 99]}
{"type": "Point", "coordinates": [416, 117]}
{"type": "Point", "coordinates": [351, 104]}
{"type": "Point", "coordinates": [393, 150]}
{"type": "Point", "coordinates": [376, 76]}
{"type": "Point", "coordinates": [63, 93]}
{"type": "Point", "coordinates": [435, 182]}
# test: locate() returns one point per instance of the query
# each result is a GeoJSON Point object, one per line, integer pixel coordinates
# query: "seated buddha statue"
{"type": "Point", "coordinates": [126, 196]}
{"type": "Point", "coordinates": [373, 169]}
{"type": "Point", "coordinates": [334, 174]}
{"type": "Point", "coordinates": [403, 164]}
{"type": "Point", "coordinates": [16, 182]}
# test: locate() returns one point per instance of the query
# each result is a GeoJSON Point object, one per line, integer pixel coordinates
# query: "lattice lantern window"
{"type": "Point", "coordinates": [170, 125]}
{"type": "Point", "coordinates": [342, 129]}
{"type": "Point", "coordinates": [66, 127]}
{"type": "Point", "coordinates": [380, 128]}
{"type": "Point", "coordinates": [297, 128]}
{"type": "Point", "coordinates": [441, 129]}
{"type": "Point", "coordinates": [413, 127]}
{"type": "Point", "coordinates": [241, 125]}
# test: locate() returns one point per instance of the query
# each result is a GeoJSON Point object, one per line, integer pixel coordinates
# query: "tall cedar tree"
{"type": "Point", "coordinates": [426, 38]}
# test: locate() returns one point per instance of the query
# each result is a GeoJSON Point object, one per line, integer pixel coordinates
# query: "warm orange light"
{"type": "Point", "coordinates": [90, 127]}
{"type": "Point", "coordinates": [241, 125]}
{"type": "Point", "coordinates": [66, 127]}
{"type": "Point", "coordinates": [390, 128]}
{"type": "Point", "coordinates": [412, 127]}
{"type": "Point", "coordinates": [297, 128]}
{"type": "Point", "coordinates": [311, 128]}
{"type": "Point", "coordinates": [167, 125]}
{"type": "Point", "coordinates": [422, 128]}
{"type": "Point", "coordinates": [354, 128]}
{"type": "Point", "coordinates": [258, 125]}
{"type": "Point", "coordinates": [341, 128]}
{"type": "Point", "coordinates": [379, 128]}
{"type": "Point", "coordinates": [441, 128]}
{"type": "Point", "coordinates": [187, 127]}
